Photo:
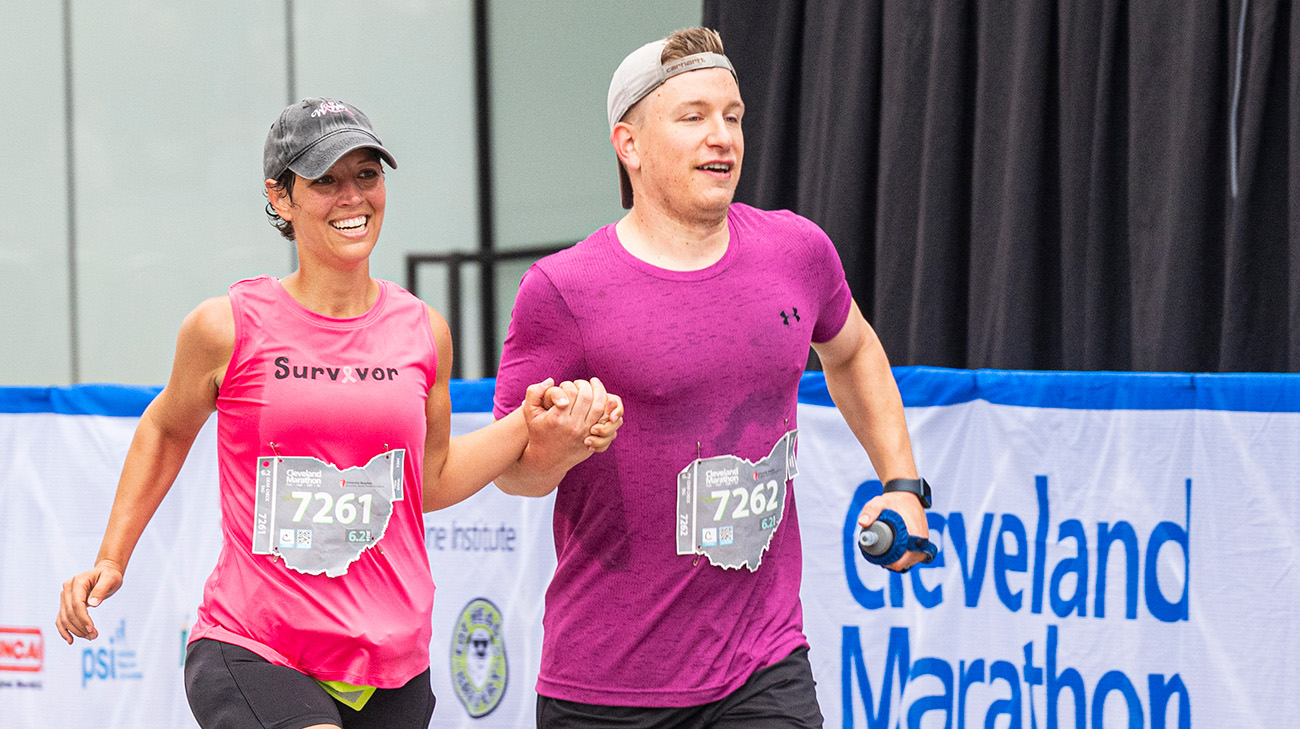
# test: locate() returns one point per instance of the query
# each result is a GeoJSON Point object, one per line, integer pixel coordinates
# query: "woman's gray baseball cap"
{"type": "Point", "coordinates": [311, 135]}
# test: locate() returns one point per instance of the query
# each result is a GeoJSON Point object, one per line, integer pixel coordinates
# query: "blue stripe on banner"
{"type": "Point", "coordinates": [113, 400]}
{"type": "Point", "coordinates": [472, 396]}
{"type": "Point", "coordinates": [920, 387]}
{"type": "Point", "coordinates": [931, 386]}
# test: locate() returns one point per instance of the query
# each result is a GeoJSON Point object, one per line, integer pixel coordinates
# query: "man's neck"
{"type": "Point", "coordinates": [670, 242]}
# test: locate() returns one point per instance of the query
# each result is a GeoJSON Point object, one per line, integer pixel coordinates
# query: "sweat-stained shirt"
{"type": "Point", "coordinates": [708, 364]}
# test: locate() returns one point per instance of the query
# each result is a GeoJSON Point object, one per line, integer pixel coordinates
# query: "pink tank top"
{"type": "Point", "coordinates": [349, 393]}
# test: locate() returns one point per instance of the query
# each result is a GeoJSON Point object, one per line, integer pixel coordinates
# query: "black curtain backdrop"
{"type": "Point", "coordinates": [1082, 184]}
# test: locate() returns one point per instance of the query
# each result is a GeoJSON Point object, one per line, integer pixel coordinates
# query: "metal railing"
{"type": "Point", "coordinates": [487, 255]}
{"type": "Point", "coordinates": [486, 260]}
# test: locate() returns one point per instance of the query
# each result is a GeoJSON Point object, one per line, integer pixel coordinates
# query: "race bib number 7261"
{"type": "Point", "coordinates": [319, 518]}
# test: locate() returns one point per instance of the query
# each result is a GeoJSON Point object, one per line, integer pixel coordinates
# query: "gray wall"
{"type": "Point", "coordinates": [133, 174]}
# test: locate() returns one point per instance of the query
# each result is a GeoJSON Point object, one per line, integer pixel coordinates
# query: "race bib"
{"type": "Point", "coordinates": [728, 508]}
{"type": "Point", "coordinates": [320, 519]}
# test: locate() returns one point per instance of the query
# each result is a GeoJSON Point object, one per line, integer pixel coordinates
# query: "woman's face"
{"type": "Point", "coordinates": [337, 216]}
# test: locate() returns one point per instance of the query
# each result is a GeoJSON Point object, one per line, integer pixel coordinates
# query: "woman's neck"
{"type": "Point", "coordinates": [336, 294]}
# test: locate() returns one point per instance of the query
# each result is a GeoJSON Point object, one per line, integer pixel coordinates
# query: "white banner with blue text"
{"type": "Point", "coordinates": [1116, 551]}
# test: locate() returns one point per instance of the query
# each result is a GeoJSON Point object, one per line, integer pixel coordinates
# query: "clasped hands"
{"type": "Point", "coordinates": [569, 421]}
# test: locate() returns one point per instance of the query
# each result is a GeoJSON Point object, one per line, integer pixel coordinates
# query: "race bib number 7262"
{"type": "Point", "coordinates": [728, 508]}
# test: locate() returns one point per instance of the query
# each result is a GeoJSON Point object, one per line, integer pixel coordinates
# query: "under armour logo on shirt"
{"type": "Point", "coordinates": [785, 319]}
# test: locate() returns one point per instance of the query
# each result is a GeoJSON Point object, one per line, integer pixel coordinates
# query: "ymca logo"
{"type": "Point", "coordinates": [22, 649]}
{"type": "Point", "coordinates": [478, 658]}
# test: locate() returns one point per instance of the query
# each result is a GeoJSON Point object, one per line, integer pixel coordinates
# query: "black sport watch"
{"type": "Point", "coordinates": [918, 486]}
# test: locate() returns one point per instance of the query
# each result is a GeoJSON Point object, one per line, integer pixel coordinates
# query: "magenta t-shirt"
{"type": "Point", "coordinates": [708, 364]}
{"type": "Point", "coordinates": [343, 391]}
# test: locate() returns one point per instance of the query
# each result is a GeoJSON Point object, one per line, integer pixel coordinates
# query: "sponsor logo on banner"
{"type": "Point", "coordinates": [477, 537]}
{"type": "Point", "coordinates": [22, 654]}
{"type": "Point", "coordinates": [115, 662]}
{"type": "Point", "coordinates": [1049, 590]}
{"type": "Point", "coordinates": [478, 658]}
{"type": "Point", "coordinates": [22, 649]}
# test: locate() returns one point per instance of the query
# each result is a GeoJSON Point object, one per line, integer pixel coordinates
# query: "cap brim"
{"type": "Point", "coordinates": [317, 160]}
{"type": "Point", "coordinates": [624, 186]}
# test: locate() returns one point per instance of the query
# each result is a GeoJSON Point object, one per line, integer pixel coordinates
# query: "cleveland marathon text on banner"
{"type": "Point", "coordinates": [1116, 550]}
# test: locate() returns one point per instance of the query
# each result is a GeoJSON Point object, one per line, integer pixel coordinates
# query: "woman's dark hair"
{"type": "Point", "coordinates": [283, 183]}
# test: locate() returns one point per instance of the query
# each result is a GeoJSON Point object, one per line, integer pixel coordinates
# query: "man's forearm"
{"type": "Point", "coordinates": [523, 480]}
{"type": "Point", "coordinates": [866, 394]}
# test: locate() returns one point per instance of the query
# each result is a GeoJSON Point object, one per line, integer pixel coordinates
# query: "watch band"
{"type": "Point", "coordinates": [918, 486]}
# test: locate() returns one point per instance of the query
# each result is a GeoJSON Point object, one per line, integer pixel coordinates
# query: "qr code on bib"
{"type": "Point", "coordinates": [304, 539]}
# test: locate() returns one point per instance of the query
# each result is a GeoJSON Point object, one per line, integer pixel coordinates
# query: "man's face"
{"type": "Point", "coordinates": [689, 143]}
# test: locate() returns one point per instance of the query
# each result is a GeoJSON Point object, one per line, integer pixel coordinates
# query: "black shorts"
{"type": "Point", "coordinates": [234, 688]}
{"type": "Point", "coordinates": [781, 696]}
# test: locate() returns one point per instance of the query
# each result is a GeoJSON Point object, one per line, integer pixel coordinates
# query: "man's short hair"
{"type": "Point", "coordinates": [689, 41]}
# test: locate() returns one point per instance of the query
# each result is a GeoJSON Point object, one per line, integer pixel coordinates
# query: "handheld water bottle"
{"type": "Point", "coordinates": [886, 540]}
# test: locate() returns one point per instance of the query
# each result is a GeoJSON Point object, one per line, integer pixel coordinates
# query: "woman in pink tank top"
{"type": "Point", "coordinates": [331, 387]}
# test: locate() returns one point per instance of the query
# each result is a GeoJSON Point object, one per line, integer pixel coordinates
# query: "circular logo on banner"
{"type": "Point", "coordinates": [478, 658]}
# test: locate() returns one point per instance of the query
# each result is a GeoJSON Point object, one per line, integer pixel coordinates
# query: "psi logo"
{"type": "Point", "coordinates": [21, 649]}
{"type": "Point", "coordinates": [114, 663]}
{"type": "Point", "coordinates": [478, 658]}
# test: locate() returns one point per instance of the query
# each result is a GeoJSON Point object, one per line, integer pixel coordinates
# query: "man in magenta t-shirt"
{"type": "Point", "coordinates": [675, 600]}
